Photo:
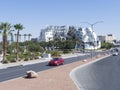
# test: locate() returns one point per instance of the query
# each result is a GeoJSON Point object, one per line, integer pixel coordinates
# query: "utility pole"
{"type": "Point", "coordinates": [92, 28]}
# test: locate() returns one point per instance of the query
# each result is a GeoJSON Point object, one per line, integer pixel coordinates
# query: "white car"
{"type": "Point", "coordinates": [115, 53]}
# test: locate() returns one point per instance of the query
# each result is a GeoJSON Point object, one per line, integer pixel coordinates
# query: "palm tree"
{"type": "Point", "coordinates": [25, 37]}
{"type": "Point", "coordinates": [15, 37]}
{"type": "Point", "coordinates": [29, 35]}
{"type": "Point", "coordinates": [11, 35]}
{"type": "Point", "coordinates": [5, 27]}
{"type": "Point", "coordinates": [20, 37]}
{"type": "Point", "coordinates": [18, 27]}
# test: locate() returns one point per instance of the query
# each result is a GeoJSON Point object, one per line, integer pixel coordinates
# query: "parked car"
{"type": "Point", "coordinates": [115, 53]}
{"type": "Point", "coordinates": [56, 61]}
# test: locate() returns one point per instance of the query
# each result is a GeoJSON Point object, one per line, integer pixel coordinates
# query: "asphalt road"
{"type": "Point", "coordinates": [101, 75]}
{"type": "Point", "coordinates": [20, 71]}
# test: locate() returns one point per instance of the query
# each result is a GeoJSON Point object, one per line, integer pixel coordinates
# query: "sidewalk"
{"type": "Point", "coordinates": [23, 63]}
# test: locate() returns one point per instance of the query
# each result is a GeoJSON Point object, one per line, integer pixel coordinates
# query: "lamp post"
{"type": "Point", "coordinates": [92, 26]}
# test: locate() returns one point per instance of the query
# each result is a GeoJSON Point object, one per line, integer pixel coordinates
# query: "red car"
{"type": "Point", "coordinates": [56, 61]}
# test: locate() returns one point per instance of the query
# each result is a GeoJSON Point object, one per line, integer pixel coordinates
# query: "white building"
{"type": "Point", "coordinates": [88, 36]}
{"type": "Point", "coordinates": [110, 38]}
{"type": "Point", "coordinates": [46, 35]}
{"type": "Point", "coordinates": [102, 38]}
{"type": "Point", "coordinates": [50, 32]}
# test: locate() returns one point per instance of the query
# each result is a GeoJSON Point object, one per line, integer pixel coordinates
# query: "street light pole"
{"type": "Point", "coordinates": [92, 25]}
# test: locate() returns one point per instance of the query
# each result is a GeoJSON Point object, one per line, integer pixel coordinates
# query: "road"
{"type": "Point", "coordinates": [19, 71]}
{"type": "Point", "coordinates": [100, 75]}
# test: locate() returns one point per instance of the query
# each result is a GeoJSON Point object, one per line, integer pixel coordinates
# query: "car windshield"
{"type": "Point", "coordinates": [56, 58]}
{"type": "Point", "coordinates": [114, 50]}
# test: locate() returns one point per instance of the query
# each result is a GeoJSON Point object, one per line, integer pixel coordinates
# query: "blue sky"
{"type": "Point", "coordinates": [35, 14]}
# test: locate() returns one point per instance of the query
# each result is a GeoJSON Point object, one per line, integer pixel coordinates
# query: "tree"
{"type": "Point", "coordinates": [5, 26]}
{"type": "Point", "coordinates": [11, 35]}
{"type": "Point", "coordinates": [25, 37]}
{"type": "Point", "coordinates": [20, 37]}
{"type": "Point", "coordinates": [35, 48]}
{"type": "Point", "coordinates": [72, 32]}
{"type": "Point", "coordinates": [43, 44]}
{"type": "Point", "coordinates": [15, 37]}
{"type": "Point", "coordinates": [69, 44]}
{"type": "Point", "coordinates": [107, 45]}
{"type": "Point", "coordinates": [18, 27]}
{"type": "Point", "coordinates": [29, 35]}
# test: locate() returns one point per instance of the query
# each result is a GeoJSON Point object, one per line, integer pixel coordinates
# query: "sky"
{"type": "Point", "coordinates": [36, 14]}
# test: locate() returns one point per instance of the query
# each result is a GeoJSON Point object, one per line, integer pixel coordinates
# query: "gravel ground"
{"type": "Point", "coordinates": [53, 79]}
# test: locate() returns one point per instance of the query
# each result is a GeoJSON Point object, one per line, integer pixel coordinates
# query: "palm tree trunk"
{"type": "Point", "coordinates": [28, 38]}
{"type": "Point", "coordinates": [24, 38]}
{"type": "Point", "coordinates": [4, 46]}
{"type": "Point", "coordinates": [19, 37]}
{"type": "Point", "coordinates": [17, 45]}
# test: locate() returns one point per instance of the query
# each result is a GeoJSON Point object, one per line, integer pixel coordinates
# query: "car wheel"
{"type": "Point", "coordinates": [57, 64]}
{"type": "Point", "coordinates": [62, 63]}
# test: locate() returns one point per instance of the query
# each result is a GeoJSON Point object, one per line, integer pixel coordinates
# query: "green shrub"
{"type": "Point", "coordinates": [37, 54]}
{"type": "Point", "coordinates": [11, 58]}
{"type": "Point", "coordinates": [27, 53]}
{"type": "Point", "coordinates": [36, 57]}
{"type": "Point", "coordinates": [5, 61]}
{"type": "Point", "coordinates": [31, 58]}
{"type": "Point", "coordinates": [21, 56]}
{"type": "Point", "coordinates": [55, 53]}
{"type": "Point", "coordinates": [48, 51]}
{"type": "Point", "coordinates": [66, 51]}
{"type": "Point", "coordinates": [26, 59]}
